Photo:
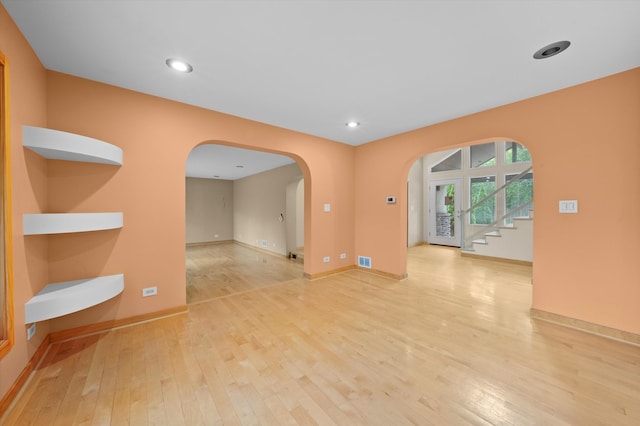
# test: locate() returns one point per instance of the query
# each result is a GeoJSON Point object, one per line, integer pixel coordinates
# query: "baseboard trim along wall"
{"type": "Point", "coordinates": [588, 327]}
{"type": "Point", "coordinates": [349, 268]}
{"type": "Point", "coordinates": [327, 273]}
{"type": "Point", "coordinates": [24, 376]}
{"type": "Point", "coordinates": [74, 333]}
{"type": "Point", "coordinates": [208, 243]}
{"type": "Point", "coordinates": [498, 259]}
{"type": "Point", "coordinates": [384, 274]}
{"type": "Point", "coordinates": [259, 249]}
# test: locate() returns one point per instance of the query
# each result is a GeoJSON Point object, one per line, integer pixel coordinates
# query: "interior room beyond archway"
{"type": "Point", "coordinates": [478, 197]}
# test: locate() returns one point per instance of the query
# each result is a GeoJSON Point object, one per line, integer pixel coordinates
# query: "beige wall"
{"type": "Point", "coordinates": [209, 210]}
{"type": "Point", "coordinates": [416, 205]}
{"type": "Point", "coordinates": [294, 223]}
{"type": "Point", "coordinates": [299, 216]}
{"type": "Point", "coordinates": [258, 202]}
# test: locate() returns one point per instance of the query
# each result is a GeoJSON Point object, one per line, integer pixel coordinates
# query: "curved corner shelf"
{"type": "Point", "coordinates": [63, 223]}
{"type": "Point", "coordinates": [59, 145]}
{"type": "Point", "coordinates": [64, 298]}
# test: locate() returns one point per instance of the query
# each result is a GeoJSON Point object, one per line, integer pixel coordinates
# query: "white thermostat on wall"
{"type": "Point", "coordinates": [391, 200]}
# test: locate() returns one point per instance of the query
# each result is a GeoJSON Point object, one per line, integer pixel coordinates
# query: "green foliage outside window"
{"type": "Point", "coordinates": [516, 153]}
{"type": "Point", "coordinates": [519, 193]}
{"type": "Point", "coordinates": [484, 214]}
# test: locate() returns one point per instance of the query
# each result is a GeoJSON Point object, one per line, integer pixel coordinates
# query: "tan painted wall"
{"type": "Point", "coordinates": [209, 210]}
{"type": "Point", "coordinates": [576, 273]}
{"type": "Point", "coordinates": [299, 216]}
{"type": "Point", "coordinates": [592, 276]}
{"type": "Point", "coordinates": [156, 136]}
{"type": "Point", "coordinates": [27, 105]}
{"type": "Point", "coordinates": [258, 202]}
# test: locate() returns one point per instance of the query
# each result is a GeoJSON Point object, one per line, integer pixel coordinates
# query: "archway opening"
{"type": "Point", "coordinates": [244, 214]}
{"type": "Point", "coordinates": [478, 197]}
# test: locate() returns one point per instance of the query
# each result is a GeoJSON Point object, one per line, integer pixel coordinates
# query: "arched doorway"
{"type": "Point", "coordinates": [478, 197]}
{"type": "Point", "coordinates": [237, 220]}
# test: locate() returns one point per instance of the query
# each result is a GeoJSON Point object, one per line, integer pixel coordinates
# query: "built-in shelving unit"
{"type": "Point", "coordinates": [58, 145]}
{"type": "Point", "coordinates": [64, 223]}
{"type": "Point", "coordinates": [59, 299]}
{"type": "Point", "coordinates": [63, 298]}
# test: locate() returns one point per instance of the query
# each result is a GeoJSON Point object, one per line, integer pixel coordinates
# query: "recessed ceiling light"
{"type": "Point", "coordinates": [352, 124]}
{"type": "Point", "coordinates": [551, 49]}
{"type": "Point", "coordinates": [178, 65]}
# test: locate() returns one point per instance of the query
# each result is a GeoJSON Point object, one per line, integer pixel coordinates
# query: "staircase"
{"type": "Point", "coordinates": [508, 242]}
{"type": "Point", "coordinates": [509, 236]}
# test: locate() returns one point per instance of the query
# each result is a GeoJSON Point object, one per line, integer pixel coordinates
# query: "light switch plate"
{"type": "Point", "coordinates": [568, 206]}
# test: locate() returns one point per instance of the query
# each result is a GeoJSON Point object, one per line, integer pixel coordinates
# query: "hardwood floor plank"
{"type": "Point", "coordinates": [452, 344]}
{"type": "Point", "coordinates": [69, 406]}
{"type": "Point", "coordinates": [218, 270]}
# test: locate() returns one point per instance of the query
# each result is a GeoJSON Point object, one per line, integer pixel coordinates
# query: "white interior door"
{"type": "Point", "coordinates": [444, 212]}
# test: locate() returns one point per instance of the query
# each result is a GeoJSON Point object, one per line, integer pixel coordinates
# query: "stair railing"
{"type": "Point", "coordinates": [467, 238]}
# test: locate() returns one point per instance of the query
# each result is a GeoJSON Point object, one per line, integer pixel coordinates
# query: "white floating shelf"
{"type": "Point", "coordinates": [72, 296]}
{"type": "Point", "coordinates": [59, 145]}
{"type": "Point", "coordinates": [63, 223]}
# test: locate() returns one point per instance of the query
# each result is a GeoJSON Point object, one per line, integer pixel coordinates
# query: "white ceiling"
{"type": "Point", "coordinates": [222, 162]}
{"type": "Point", "coordinates": [311, 66]}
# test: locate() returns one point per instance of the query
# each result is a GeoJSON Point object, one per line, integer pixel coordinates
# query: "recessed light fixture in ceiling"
{"type": "Point", "coordinates": [352, 124]}
{"type": "Point", "coordinates": [178, 65]}
{"type": "Point", "coordinates": [551, 49]}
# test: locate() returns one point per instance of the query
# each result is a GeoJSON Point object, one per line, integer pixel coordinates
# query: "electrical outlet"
{"type": "Point", "coordinates": [216, 236]}
{"type": "Point", "coordinates": [326, 259]}
{"type": "Point", "coordinates": [343, 255]}
{"type": "Point", "coordinates": [31, 331]}
{"type": "Point", "coordinates": [149, 291]}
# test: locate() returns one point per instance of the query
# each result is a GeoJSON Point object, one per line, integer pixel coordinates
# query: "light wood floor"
{"type": "Point", "coordinates": [453, 344]}
{"type": "Point", "coordinates": [222, 269]}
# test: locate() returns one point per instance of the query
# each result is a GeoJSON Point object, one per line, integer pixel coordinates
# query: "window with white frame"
{"type": "Point", "coordinates": [484, 168]}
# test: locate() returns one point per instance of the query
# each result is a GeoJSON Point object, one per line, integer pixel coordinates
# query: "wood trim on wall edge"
{"type": "Point", "coordinates": [258, 249]}
{"type": "Point", "coordinates": [349, 268]}
{"type": "Point", "coordinates": [7, 226]}
{"type": "Point", "coordinates": [384, 274]}
{"type": "Point", "coordinates": [209, 243]}
{"type": "Point", "coordinates": [497, 259]}
{"type": "Point", "coordinates": [74, 333]}
{"type": "Point", "coordinates": [24, 376]}
{"type": "Point", "coordinates": [327, 273]}
{"type": "Point", "coordinates": [587, 327]}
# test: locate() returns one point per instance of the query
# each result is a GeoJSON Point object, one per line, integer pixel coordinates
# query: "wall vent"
{"type": "Point", "coordinates": [364, 262]}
